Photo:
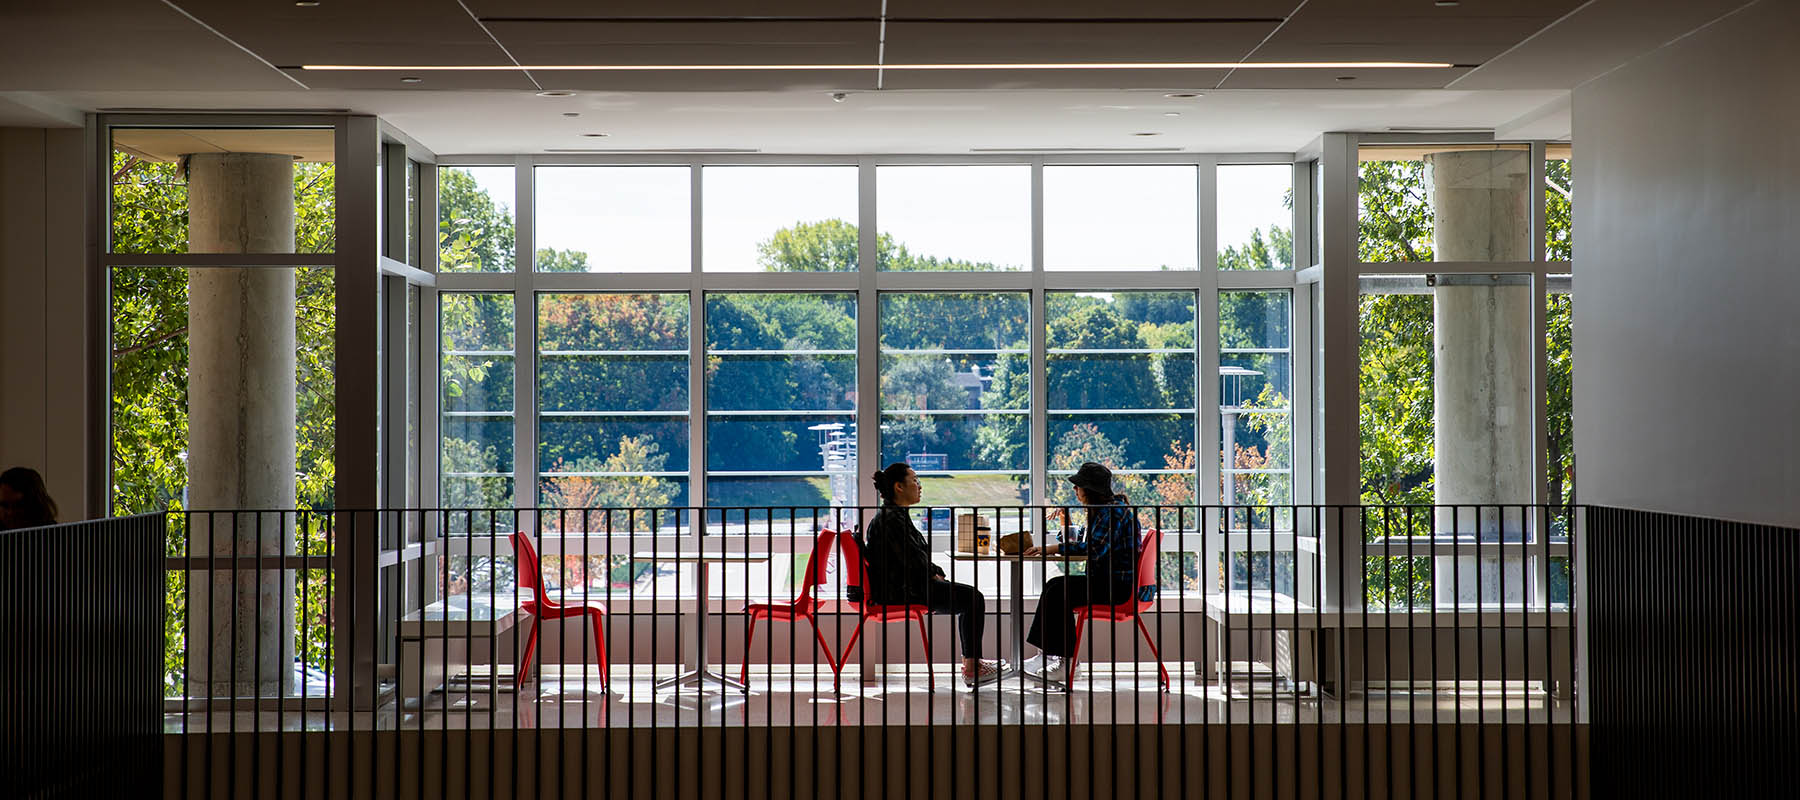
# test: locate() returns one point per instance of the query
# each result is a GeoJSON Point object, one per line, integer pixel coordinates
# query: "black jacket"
{"type": "Point", "coordinates": [898, 558]}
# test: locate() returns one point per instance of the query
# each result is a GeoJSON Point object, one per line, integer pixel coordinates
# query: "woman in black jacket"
{"type": "Point", "coordinates": [900, 571]}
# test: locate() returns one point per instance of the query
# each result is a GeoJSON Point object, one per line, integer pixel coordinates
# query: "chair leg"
{"type": "Point", "coordinates": [749, 638]}
{"type": "Point", "coordinates": [1162, 670]}
{"type": "Point", "coordinates": [523, 672]}
{"type": "Point", "coordinates": [925, 637]}
{"type": "Point", "coordinates": [849, 647]}
{"type": "Point", "coordinates": [824, 647]}
{"type": "Point", "coordinates": [600, 650]}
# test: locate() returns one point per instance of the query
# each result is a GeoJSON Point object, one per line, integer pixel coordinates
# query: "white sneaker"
{"type": "Point", "coordinates": [1034, 666]}
{"type": "Point", "coordinates": [985, 672]}
{"type": "Point", "coordinates": [1056, 669]}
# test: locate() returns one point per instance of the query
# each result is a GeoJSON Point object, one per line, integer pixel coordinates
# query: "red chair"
{"type": "Point", "coordinates": [1132, 609]}
{"type": "Point", "coordinates": [855, 575]}
{"type": "Point", "coordinates": [803, 607]}
{"type": "Point", "coordinates": [541, 607]}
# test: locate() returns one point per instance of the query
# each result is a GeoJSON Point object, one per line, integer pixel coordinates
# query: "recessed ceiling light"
{"type": "Point", "coordinates": [411, 79]}
{"type": "Point", "coordinates": [306, 3]}
{"type": "Point", "coordinates": [1448, 3]}
{"type": "Point", "coordinates": [571, 113]}
{"type": "Point", "coordinates": [1157, 65]}
{"type": "Point", "coordinates": [596, 135]}
{"type": "Point", "coordinates": [556, 93]}
{"type": "Point", "coordinates": [1346, 78]}
{"type": "Point", "coordinates": [1147, 133]}
{"type": "Point", "coordinates": [1182, 95]}
{"type": "Point", "coordinates": [1171, 113]}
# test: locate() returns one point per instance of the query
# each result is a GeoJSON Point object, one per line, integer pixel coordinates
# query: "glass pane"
{"type": "Point", "coordinates": [955, 321]}
{"type": "Point", "coordinates": [1256, 420]}
{"type": "Point", "coordinates": [1105, 218]}
{"type": "Point", "coordinates": [954, 218]}
{"type": "Point", "coordinates": [476, 363]}
{"type": "Point", "coordinates": [1444, 203]}
{"type": "Point", "coordinates": [1395, 395]}
{"type": "Point", "coordinates": [1559, 207]}
{"type": "Point", "coordinates": [1125, 442]}
{"type": "Point", "coordinates": [613, 219]}
{"type": "Point", "coordinates": [174, 190]}
{"type": "Point", "coordinates": [780, 219]}
{"type": "Point", "coordinates": [1560, 369]}
{"type": "Point", "coordinates": [475, 219]}
{"type": "Point", "coordinates": [150, 382]}
{"type": "Point", "coordinates": [613, 427]}
{"type": "Point", "coordinates": [1256, 216]}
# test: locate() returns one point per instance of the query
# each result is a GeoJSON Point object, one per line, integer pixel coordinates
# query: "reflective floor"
{"type": "Point", "coordinates": [1109, 694]}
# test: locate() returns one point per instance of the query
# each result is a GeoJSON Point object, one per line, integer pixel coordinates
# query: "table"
{"type": "Point", "coordinates": [697, 672]}
{"type": "Point", "coordinates": [1017, 562]}
{"type": "Point", "coordinates": [459, 620]}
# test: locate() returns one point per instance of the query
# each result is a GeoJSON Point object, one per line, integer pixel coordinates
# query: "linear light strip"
{"type": "Point", "coordinates": [1164, 65]}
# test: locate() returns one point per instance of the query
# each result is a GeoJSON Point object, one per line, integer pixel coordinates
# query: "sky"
{"type": "Point", "coordinates": [637, 218]}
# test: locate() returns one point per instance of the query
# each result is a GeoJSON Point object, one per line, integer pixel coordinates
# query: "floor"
{"type": "Point", "coordinates": [1108, 695]}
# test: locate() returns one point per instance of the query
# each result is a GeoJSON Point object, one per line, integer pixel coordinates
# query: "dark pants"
{"type": "Point", "coordinates": [967, 604]}
{"type": "Point", "coordinates": [1053, 629]}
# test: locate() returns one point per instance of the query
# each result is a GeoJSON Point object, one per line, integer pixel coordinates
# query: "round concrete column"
{"type": "Point", "coordinates": [241, 419]}
{"type": "Point", "coordinates": [1483, 351]}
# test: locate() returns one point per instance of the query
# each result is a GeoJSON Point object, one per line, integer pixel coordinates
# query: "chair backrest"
{"type": "Point", "coordinates": [1147, 578]}
{"type": "Point", "coordinates": [815, 565]}
{"type": "Point", "coordinates": [529, 567]}
{"type": "Point", "coordinates": [852, 565]}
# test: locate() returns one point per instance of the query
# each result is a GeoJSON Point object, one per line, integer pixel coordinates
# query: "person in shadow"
{"type": "Point", "coordinates": [24, 502]}
{"type": "Point", "coordinates": [1110, 544]}
{"type": "Point", "coordinates": [901, 573]}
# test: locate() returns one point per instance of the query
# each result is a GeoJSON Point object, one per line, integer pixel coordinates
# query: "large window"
{"type": "Point", "coordinates": [954, 218]}
{"type": "Point", "coordinates": [612, 219]}
{"type": "Point", "coordinates": [612, 389]}
{"type": "Point", "coordinates": [781, 401]}
{"type": "Point", "coordinates": [1256, 213]}
{"type": "Point", "coordinates": [789, 219]}
{"type": "Point", "coordinates": [956, 394]}
{"type": "Point", "coordinates": [476, 400]}
{"type": "Point", "coordinates": [1121, 218]}
{"type": "Point", "coordinates": [1119, 374]}
{"type": "Point", "coordinates": [475, 219]}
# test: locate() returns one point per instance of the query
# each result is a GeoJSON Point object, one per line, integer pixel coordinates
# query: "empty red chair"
{"type": "Point", "coordinates": [541, 607]}
{"type": "Point", "coordinates": [803, 607]}
{"type": "Point", "coordinates": [1131, 609]}
{"type": "Point", "coordinates": [855, 575]}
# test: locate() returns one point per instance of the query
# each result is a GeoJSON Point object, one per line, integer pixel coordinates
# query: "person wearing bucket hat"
{"type": "Point", "coordinates": [1110, 542]}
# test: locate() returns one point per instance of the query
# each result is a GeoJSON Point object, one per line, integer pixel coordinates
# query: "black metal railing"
{"type": "Point", "coordinates": [1695, 648]}
{"type": "Point", "coordinates": [80, 606]}
{"type": "Point", "coordinates": [1310, 651]}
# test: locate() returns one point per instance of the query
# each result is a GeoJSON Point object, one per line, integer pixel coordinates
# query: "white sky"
{"type": "Point", "coordinates": [636, 219]}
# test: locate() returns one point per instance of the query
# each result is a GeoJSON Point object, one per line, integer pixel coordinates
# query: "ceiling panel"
{"type": "Point", "coordinates": [1164, 79]}
{"type": "Point", "coordinates": [433, 81]}
{"type": "Point", "coordinates": [767, 42]}
{"type": "Point", "coordinates": [663, 9]}
{"type": "Point", "coordinates": [388, 32]}
{"type": "Point", "coordinates": [1058, 42]}
{"type": "Point", "coordinates": [122, 45]}
{"type": "Point", "coordinates": [1328, 79]}
{"type": "Point", "coordinates": [1090, 9]}
{"type": "Point", "coordinates": [1601, 35]}
{"type": "Point", "coordinates": [1409, 30]}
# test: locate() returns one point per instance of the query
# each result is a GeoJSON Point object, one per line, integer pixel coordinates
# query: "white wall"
{"type": "Point", "coordinates": [43, 310]}
{"type": "Point", "coordinates": [1687, 275]}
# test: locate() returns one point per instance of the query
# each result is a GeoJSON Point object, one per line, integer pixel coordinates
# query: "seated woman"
{"type": "Point", "coordinates": [1110, 544]}
{"type": "Point", "coordinates": [900, 571]}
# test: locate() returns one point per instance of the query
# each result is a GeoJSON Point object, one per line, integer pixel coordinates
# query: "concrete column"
{"type": "Point", "coordinates": [1483, 352]}
{"type": "Point", "coordinates": [241, 421]}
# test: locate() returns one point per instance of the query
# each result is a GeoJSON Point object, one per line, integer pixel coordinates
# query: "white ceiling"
{"type": "Point", "coordinates": [59, 60]}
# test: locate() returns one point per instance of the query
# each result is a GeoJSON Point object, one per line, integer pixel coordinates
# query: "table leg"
{"type": "Point", "coordinates": [697, 672]}
{"type": "Point", "coordinates": [1018, 614]}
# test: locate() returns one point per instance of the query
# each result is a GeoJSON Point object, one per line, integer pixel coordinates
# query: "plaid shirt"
{"type": "Point", "coordinates": [1110, 541]}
